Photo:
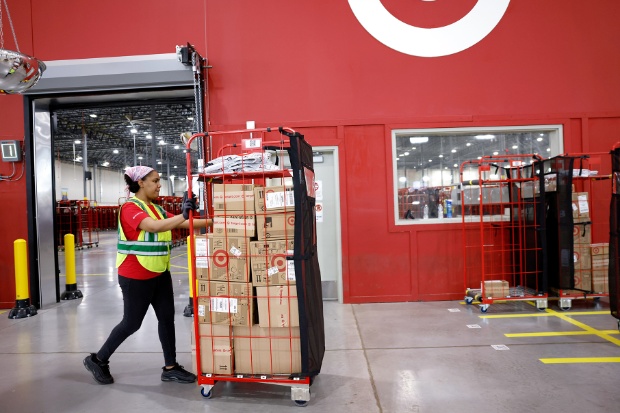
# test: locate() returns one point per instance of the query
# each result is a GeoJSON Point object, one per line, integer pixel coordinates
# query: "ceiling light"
{"type": "Point", "coordinates": [106, 163]}
{"type": "Point", "coordinates": [158, 162]}
{"type": "Point", "coordinates": [77, 141]}
{"type": "Point", "coordinates": [495, 153]}
{"type": "Point", "coordinates": [515, 146]}
{"type": "Point", "coordinates": [548, 149]}
{"type": "Point", "coordinates": [456, 165]}
{"type": "Point", "coordinates": [148, 137]}
{"type": "Point", "coordinates": [175, 167]}
{"type": "Point", "coordinates": [539, 139]}
{"type": "Point", "coordinates": [190, 118]}
{"type": "Point", "coordinates": [402, 179]}
{"type": "Point", "coordinates": [468, 144]}
{"type": "Point", "coordinates": [139, 157]}
{"type": "Point", "coordinates": [480, 157]}
{"type": "Point", "coordinates": [133, 130]}
{"type": "Point", "coordinates": [441, 156]}
{"type": "Point", "coordinates": [115, 151]}
{"type": "Point", "coordinates": [453, 151]}
{"type": "Point", "coordinates": [176, 146]}
{"type": "Point", "coordinates": [162, 142]}
{"type": "Point", "coordinates": [406, 153]}
{"type": "Point", "coordinates": [413, 148]}
{"type": "Point", "coordinates": [402, 154]}
{"type": "Point", "coordinates": [92, 115]}
{"type": "Point", "coordinates": [418, 139]}
{"type": "Point", "coordinates": [485, 137]}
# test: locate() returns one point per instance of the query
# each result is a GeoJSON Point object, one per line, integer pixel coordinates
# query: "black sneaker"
{"type": "Point", "coordinates": [177, 373]}
{"type": "Point", "coordinates": [99, 369]}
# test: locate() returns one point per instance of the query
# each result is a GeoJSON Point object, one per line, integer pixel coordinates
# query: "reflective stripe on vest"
{"type": "Point", "coordinates": [151, 249]}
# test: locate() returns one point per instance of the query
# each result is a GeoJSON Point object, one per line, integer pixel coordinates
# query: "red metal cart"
{"type": "Point", "coordinates": [501, 199]}
{"type": "Point", "coordinates": [274, 246]}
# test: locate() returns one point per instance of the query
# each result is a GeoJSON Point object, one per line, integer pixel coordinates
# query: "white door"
{"type": "Point", "coordinates": [328, 221]}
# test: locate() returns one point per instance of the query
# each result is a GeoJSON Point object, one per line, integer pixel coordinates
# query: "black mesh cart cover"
{"type": "Point", "coordinates": [559, 221]}
{"type": "Point", "coordinates": [307, 271]}
{"type": "Point", "coordinates": [614, 231]}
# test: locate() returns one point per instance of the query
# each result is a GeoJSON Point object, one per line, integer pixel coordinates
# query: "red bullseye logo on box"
{"type": "Point", "coordinates": [576, 231]}
{"type": "Point", "coordinates": [291, 220]}
{"type": "Point", "coordinates": [220, 258]}
{"type": "Point", "coordinates": [279, 261]}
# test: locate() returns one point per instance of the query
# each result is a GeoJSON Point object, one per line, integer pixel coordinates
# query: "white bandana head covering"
{"type": "Point", "coordinates": [136, 173]}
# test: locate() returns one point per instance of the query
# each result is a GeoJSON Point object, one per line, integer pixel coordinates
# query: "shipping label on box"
{"type": "Point", "coordinates": [229, 258]}
{"type": "Point", "coordinates": [275, 225]}
{"type": "Point", "coordinates": [600, 281]}
{"type": "Point", "coordinates": [225, 303]}
{"type": "Point", "coordinates": [233, 197]}
{"type": "Point", "coordinates": [216, 349]}
{"type": "Point", "coordinates": [582, 233]}
{"type": "Point", "coordinates": [270, 265]}
{"type": "Point", "coordinates": [600, 249]}
{"type": "Point", "coordinates": [274, 198]}
{"type": "Point", "coordinates": [583, 279]}
{"type": "Point", "coordinates": [202, 253]}
{"type": "Point", "coordinates": [277, 306]}
{"type": "Point", "coordinates": [236, 225]}
{"type": "Point", "coordinates": [600, 263]}
{"type": "Point", "coordinates": [581, 257]}
{"type": "Point", "coordinates": [261, 350]}
{"type": "Point", "coordinates": [581, 209]}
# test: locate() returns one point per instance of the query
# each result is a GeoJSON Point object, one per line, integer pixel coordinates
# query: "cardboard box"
{"type": "Point", "coordinates": [275, 225]}
{"type": "Point", "coordinates": [229, 259]}
{"type": "Point", "coordinates": [583, 279]}
{"type": "Point", "coordinates": [277, 306]}
{"type": "Point", "coordinates": [274, 198]}
{"type": "Point", "coordinates": [581, 257]}
{"type": "Point", "coordinates": [582, 233]}
{"type": "Point", "coordinates": [234, 197]}
{"type": "Point", "coordinates": [202, 256]}
{"type": "Point", "coordinates": [216, 349]}
{"type": "Point", "coordinates": [234, 225]}
{"type": "Point", "coordinates": [601, 249]}
{"type": "Point", "coordinates": [600, 263]}
{"type": "Point", "coordinates": [221, 302]}
{"type": "Point", "coordinates": [581, 209]}
{"type": "Point", "coordinates": [600, 281]}
{"type": "Point", "coordinates": [496, 288]}
{"type": "Point", "coordinates": [269, 263]}
{"type": "Point", "coordinates": [261, 350]}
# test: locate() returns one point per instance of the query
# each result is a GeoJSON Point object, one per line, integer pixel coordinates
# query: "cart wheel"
{"type": "Point", "coordinates": [206, 395]}
{"type": "Point", "coordinates": [469, 300]}
{"type": "Point", "coordinates": [301, 403]}
{"type": "Point", "coordinates": [544, 309]}
{"type": "Point", "coordinates": [564, 308]}
{"type": "Point", "coordinates": [597, 299]}
{"type": "Point", "coordinates": [484, 308]}
{"type": "Point", "coordinates": [618, 325]}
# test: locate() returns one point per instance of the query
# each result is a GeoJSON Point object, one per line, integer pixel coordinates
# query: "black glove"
{"type": "Point", "coordinates": [189, 204]}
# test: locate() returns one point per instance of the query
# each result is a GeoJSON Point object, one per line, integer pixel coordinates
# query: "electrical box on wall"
{"type": "Point", "coordinates": [11, 151]}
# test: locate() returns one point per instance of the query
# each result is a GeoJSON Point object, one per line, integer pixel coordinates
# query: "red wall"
{"type": "Point", "coordinates": [312, 66]}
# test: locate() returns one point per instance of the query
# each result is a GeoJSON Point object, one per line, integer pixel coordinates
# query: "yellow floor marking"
{"type": "Point", "coordinates": [586, 327]}
{"type": "Point", "coordinates": [559, 333]}
{"type": "Point", "coordinates": [545, 314]}
{"type": "Point", "coordinates": [2, 311]}
{"type": "Point", "coordinates": [581, 360]}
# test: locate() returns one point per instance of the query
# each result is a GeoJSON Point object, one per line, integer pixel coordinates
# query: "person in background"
{"type": "Point", "coordinates": [143, 262]}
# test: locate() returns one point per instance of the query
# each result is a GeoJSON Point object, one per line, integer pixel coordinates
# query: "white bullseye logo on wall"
{"type": "Point", "coordinates": [429, 42]}
{"type": "Point", "coordinates": [220, 258]}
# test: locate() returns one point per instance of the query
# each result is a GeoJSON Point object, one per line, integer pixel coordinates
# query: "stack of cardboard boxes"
{"type": "Point", "coordinates": [600, 268]}
{"type": "Point", "coordinates": [582, 238]}
{"type": "Point", "coordinates": [247, 301]}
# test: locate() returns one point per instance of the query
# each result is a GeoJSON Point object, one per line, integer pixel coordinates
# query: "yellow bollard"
{"type": "Point", "coordinates": [71, 291]}
{"type": "Point", "coordinates": [189, 309]}
{"type": "Point", "coordinates": [22, 307]}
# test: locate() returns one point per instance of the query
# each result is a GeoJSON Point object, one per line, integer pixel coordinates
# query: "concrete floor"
{"type": "Point", "coordinates": [390, 358]}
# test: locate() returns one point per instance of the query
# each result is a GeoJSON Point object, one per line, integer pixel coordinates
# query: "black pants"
{"type": "Point", "coordinates": [137, 296]}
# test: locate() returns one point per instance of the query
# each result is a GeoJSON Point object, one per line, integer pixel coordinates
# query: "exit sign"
{"type": "Point", "coordinates": [11, 151]}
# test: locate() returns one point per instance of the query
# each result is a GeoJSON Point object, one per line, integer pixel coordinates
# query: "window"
{"type": "Point", "coordinates": [427, 164]}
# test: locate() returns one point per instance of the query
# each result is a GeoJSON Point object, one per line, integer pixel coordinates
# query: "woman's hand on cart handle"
{"type": "Point", "coordinates": [189, 204]}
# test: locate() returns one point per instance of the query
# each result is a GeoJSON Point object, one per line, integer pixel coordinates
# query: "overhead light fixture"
{"type": "Point", "coordinates": [495, 153]}
{"type": "Point", "coordinates": [402, 179]}
{"type": "Point", "coordinates": [190, 118]}
{"type": "Point", "coordinates": [148, 137]}
{"type": "Point", "coordinates": [539, 139]}
{"type": "Point", "coordinates": [115, 151]}
{"type": "Point", "coordinates": [176, 146]}
{"type": "Point", "coordinates": [106, 163]}
{"type": "Point", "coordinates": [441, 156]}
{"type": "Point", "coordinates": [456, 165]}
{"type": "Point", "coordinates": [92, 115]}
{"type": "Point", "coordinates": [77, 141]}
{"type": "Point", "coordinates": [515, 146]}
{"type": "Point", "coordinates": [406, 153]}
{"type": "Point", "coordinates": [413, 148]}
{"type": "Point", "coordinates": [418, 139]}
{"type": "Point", "coordinates": [485, 137]}
{"type": "Point", "coordinates": [548, 149]}
{"type": "Point", "coordinates": [139, 157]}
{"type": "Point", "coordinates": [430, 160]}
{"type": "Point", "coordinates": [133, 130]}
{"type": "Point", "coordinates": [158, 162]}
{"type": "Point", "coordinates": [453, 151]}
{"type": "Point", "coordinates": [175, 167]}
{"type": "Point", "coordinates": [18, 72]}
{"type": "Point", "coordinates": [468, 144]}
{"type": "Point", "coordinates": [161, 142]}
